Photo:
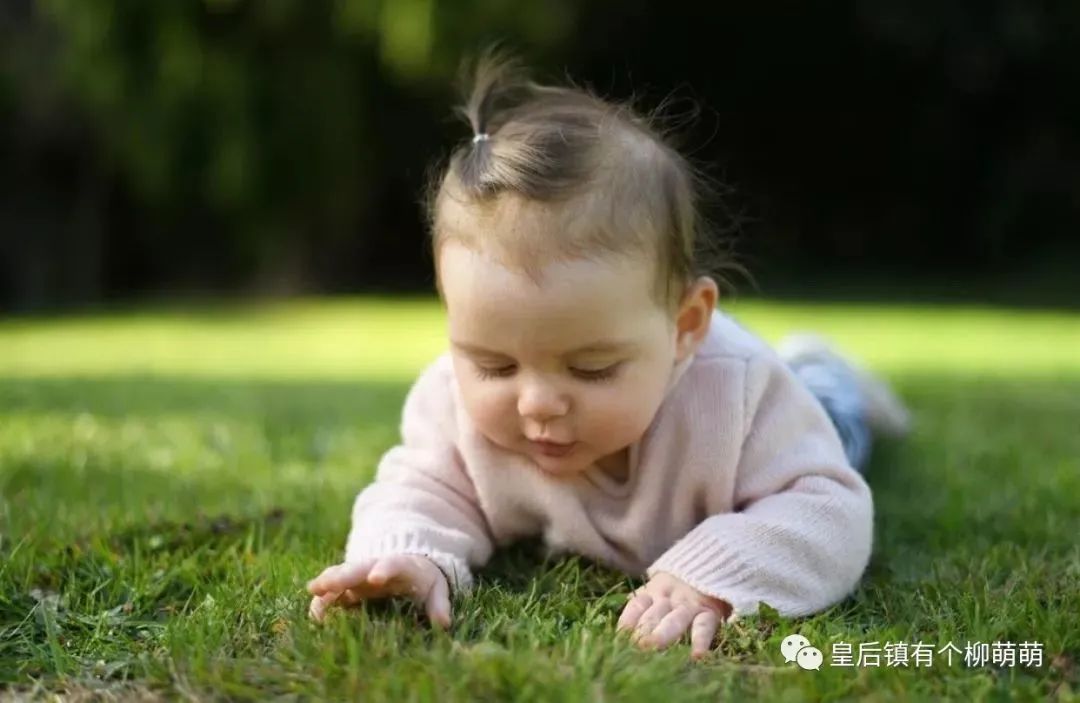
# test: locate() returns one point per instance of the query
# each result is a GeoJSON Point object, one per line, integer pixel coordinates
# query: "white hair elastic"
{"type": "Point", "coordinates": [482, 137]}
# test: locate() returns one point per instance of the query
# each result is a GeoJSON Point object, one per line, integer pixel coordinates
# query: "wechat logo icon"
{"type": "Point", "coordinates": [797, 648]}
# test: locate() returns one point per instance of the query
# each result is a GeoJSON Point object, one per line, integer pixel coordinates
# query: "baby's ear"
{"type": "Point", "coordinates": [695, 315]}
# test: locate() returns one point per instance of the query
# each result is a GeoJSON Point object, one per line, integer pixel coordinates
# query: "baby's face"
{"type": "Point", "coordinates": [584, 359]}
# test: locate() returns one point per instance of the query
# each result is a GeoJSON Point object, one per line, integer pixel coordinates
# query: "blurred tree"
{"type": "Point", "coordinates": [51, 192]}
{"type": "Point", "coordinates": [258, 140]}
{"type": "Point", "coordinates": [281, 144]}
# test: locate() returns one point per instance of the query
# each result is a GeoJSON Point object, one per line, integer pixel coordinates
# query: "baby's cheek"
{"type": "Point", "coordinates": [621, 420]}
{"type": "Point", "coordinates": [490, 409]}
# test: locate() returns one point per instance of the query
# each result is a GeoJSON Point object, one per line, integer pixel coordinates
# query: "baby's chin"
{"type": "Point", "coordinates": [560, 466]}
{"type": "Point", "coordinates": [561, 470]}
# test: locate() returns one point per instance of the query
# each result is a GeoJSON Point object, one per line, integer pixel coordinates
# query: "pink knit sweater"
{"type": "Point", "coordinates": [739, 487]}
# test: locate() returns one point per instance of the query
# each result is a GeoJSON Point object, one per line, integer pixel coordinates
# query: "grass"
{"type": "Point", "coordinates": [169, 479]}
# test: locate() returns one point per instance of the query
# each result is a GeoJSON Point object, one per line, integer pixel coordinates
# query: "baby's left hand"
{"type": "Point", "coordinates": [662, 610]}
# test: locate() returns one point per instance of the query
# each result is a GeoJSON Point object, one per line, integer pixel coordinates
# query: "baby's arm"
{"type": "Point", "coordinates": [422, 504]}
{"type": "Point", "coordinates": [801, 533]}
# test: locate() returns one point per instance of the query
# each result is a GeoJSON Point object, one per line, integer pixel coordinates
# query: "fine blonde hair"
{"type": "Point", "coordinates": [593, 177]}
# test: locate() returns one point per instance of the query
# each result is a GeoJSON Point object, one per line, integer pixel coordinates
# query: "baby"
{"type": "Point", "coordinates": [592, 394]}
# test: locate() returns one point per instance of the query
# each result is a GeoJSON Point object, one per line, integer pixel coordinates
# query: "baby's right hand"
{"type": "Point", "coordinates": [397, 575]}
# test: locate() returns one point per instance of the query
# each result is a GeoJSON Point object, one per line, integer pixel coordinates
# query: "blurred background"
{"type": "Point", "coordinates": [874, 148]}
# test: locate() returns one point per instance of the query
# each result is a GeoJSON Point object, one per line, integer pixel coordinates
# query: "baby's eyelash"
{"type": "Point", "coordinates": [486, 373]}
{"type": "Point", "coordinates": [589, 376]}
{"type": "Point", "coordinates": [598, 375]}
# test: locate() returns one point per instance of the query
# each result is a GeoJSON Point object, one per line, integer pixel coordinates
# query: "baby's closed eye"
{"type": "Point", "coordinates": [601, 374]}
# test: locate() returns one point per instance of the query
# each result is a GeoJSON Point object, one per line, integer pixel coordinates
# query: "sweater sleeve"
{"type": "Point", "coordinates": [800, 535]}
{"type": "Point", "coordinates": [422, 501]}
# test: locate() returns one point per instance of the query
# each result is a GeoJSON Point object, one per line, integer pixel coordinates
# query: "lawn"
{"type": "Point", "coordinates": [170, 478]}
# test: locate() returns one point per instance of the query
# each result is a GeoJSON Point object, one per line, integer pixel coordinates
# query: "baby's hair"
{"type": "Point", "coordinates": [593, 177]}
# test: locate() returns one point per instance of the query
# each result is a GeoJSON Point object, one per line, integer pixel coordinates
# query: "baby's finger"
{"type": "Point", "coordinates": [638, 604]}
{"type": "Point", "coordinates": [316, 586]}
{"type": "Point", "coordinates": [651, 618]}
{"type": "Point", "coordinates": [319, 605]}
{"type": "Point", "coordinates": [335, 579]}
{"type": "Point", "coordinates": [400, 575]}
{"type": "Point", "coordinates": [671, 628]}
{"type": "Point", "coordinates": [316, 610]}
{"type": "Point", "coordinates": [437, 603]}
{"type": "Point", "coordinates": [702, 632]}
{"type": "Point", "coordinates": [351, 596]}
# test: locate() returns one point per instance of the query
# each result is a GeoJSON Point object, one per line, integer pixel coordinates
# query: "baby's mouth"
{"type": "Point", "coordinates": [553, 449]}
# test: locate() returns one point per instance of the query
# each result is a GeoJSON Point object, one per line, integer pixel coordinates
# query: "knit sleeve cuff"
{"type": "Point", "coordinates": [455, 568]}
{"type": "Point", "coordinates": [712, 568]}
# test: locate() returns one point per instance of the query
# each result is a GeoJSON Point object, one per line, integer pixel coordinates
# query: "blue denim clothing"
{"type": "Point", "coordinates": [837, 389]}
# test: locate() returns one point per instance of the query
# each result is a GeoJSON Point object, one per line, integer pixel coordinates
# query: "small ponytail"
{"type": "Point", "coordinates": [494, 77]}
{"type": "Point", "coordinates": [492, 86]}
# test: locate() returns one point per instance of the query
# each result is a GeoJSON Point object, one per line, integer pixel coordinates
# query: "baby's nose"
{"type": "Point", "coordinates": [541, 402]}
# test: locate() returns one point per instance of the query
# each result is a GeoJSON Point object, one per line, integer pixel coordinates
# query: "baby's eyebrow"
{"type": "Point", "coordinates": [604, 345]}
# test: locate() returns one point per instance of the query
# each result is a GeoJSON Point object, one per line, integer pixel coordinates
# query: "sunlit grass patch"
{"type": "Point", "coordinates": [389, 339]}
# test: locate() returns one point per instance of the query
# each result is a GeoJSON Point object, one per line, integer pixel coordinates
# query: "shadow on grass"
{"type": "Point", "coordinates": [100, 601]}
